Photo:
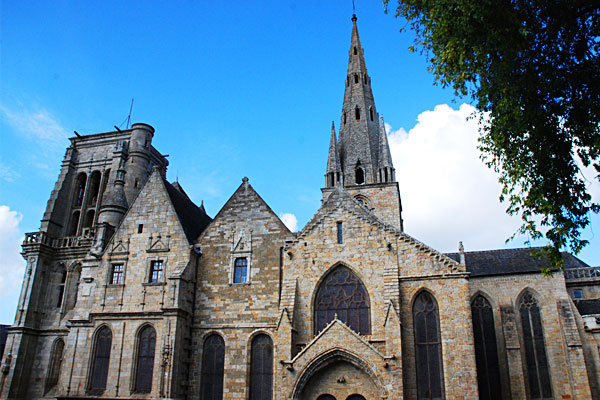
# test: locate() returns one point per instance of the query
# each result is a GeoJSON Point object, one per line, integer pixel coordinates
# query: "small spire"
{"type": "Point", "coordinates": [202, 206]}
{"type": "Point", "coordinates": [385, 157]}
{"type": "Point", "coordinates": [333, 160]}
{"type": "Point", "coordinates": [461, 253]}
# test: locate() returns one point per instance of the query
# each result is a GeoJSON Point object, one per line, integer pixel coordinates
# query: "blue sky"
{"type": "Point", "coordinates": [233, 89]}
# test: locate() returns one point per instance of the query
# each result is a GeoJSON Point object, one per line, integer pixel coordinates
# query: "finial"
{"type": "Point", "coordinates": [461, 253]}
{"type": "Point", "coordinates": [333, 126]}
{"type": "Point", "coordinates": [382, 120]}
{"type": "Point", "coordinates": [245, 179]}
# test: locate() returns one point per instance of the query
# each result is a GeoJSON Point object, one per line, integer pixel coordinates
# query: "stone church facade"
{"type": "Point", "coordinates": [132, 291]}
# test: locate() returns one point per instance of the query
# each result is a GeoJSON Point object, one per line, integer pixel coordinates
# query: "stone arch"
{"type": "Point", "coordinates": [528, 290]}
{"type": "Point", "coordinates": [421, 289]}
{"type": "Point", "coordinates": [486, 296]}
{"type": "Point", "coordinates": [363, 200]}
{"type": "Point", "coordinates": [320, 281]}
{"type": "Point", "coordinates": [327, 358]}
{"type": "Point", "coordinates": [93, 355]}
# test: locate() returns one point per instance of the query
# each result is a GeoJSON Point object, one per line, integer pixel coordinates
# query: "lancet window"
{"type": "Point", "coordinates": [486, 351]}
{"type": "Point", "coordinates": [145, 359]}
{"type": "Point", "coordinates": [213, 365]}
{"type": "Point", "coordinates": [56, 356]}
{"type": "Point", "coordinates": [261, 368]}
{"type": "Point", "coordinates": [342, 293]}
{"type": "Point", "coordinates": [428, 347]}
{"type": "Point", "coordinates": [101, 360]}
{"type": "Point", "coordinates": [538, 374]}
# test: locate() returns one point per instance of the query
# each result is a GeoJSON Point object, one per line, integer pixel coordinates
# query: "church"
{"type": "Point", "coordinates": [131, 291]}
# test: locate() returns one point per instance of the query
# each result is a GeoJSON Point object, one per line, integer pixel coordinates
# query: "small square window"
{"type": "Point", "coordinates": [577, 293]}
{"type": "Point", "coordinates": [156, 271]}
{"type": "Point", "coordinates": [116, 277]}
{"type": "Point", "coordinates": [240, 270]}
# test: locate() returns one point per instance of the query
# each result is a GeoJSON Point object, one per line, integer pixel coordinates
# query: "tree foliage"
{"type": "Point", "coordinates": [533, 69]}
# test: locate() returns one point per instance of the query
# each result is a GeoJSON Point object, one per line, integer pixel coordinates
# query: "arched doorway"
{"type": "Point", "coordinates": [338, 375]}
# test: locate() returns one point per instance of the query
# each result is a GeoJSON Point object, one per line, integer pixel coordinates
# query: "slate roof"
{"type": "Point", "coordinates": [192, 218]}
{"type": "Point", "coordinates": [510, 261]}
{"type": "Point", "coordinates": [588, 307]}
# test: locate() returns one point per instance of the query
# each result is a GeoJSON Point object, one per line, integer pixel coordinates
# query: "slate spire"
{"type": "Point", "coordinates": [359, 136]}
{"type": "Point", "coordinates": [333, 175]}
{"type": "Point", "coordinates": [386, 171]}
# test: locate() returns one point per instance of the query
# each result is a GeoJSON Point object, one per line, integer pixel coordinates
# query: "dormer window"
{"type": "Point", "coordinates": [357, 113]}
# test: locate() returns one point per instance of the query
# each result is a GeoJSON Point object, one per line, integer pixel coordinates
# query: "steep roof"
{"type": "Point", "coordinates": [510, 261]}
{"type": "Point", "coordinates": [193, 219]}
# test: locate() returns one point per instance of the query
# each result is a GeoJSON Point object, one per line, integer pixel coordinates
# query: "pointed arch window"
{"type": "Point", "coordinates": [428, 347]}
{"type": "Point", "coordinates": [355, 51]}
{"type": "Point", "coordinates": [56, 356]}
{"type": "Point", "coordinates": [486, 351]}
{"type": "Point", "coordinates": [360, 176]}
{"type": "Point", "coordinates": [261, 368]}
{"type": "Point", "coordinates": [80, 189]}
{"type": "Point", "coordinates": [101, 360]}
{"type": "Point", "coordinates": [371, 113]}
{"type": "Point", "coordinates": [357, 113]}
{"type": "Point", "coordinates": [213, 365]}
{"type": "Point", "coordinates": [145, 360]}
{"type": "Point", "coordinates": [326, 397]}
{"type": "Point", "coordinates": [538, 374]}
{"type": "Point", "coordinates": [355, 78]}
{"type": "Point", "coordinates": [341, 292]}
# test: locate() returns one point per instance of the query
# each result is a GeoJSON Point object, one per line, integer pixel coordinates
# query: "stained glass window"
{"type": "Point", "coordinates": [145, 360]}
{"type": "Point", "coordinates": [261, 368]}
{"type": "Point", "coordinates": [486, 351]}
{"type": "Point", "coordinates": [100, 364]}
{"type": "Point", "coordinates": [342, 293]}
{"type": "Point", "coordinates": [540, 386]}
{"type": "Point", "coordinates": [428, 347]}
{"type": "Point", "coordinates": [213, 364]}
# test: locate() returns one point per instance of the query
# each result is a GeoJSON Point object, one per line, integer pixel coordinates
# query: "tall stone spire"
{"type": "Point", "coordinates": [359, 132]}
{"type": "Point", "coordinates": [333, 175]}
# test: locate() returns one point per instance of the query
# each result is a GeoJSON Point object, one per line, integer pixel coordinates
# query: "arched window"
{"type": "Point", "coordinates": [101, 359]}
{"type": "Point", "coordinates": [355, 51]}
{"type": "Point", "coordinates": [357, 113]}
{"type": "Point", "coordinates": [355, 397]}
{"type": "Point", "coordinates": [342, 293]}
{"type": "Point", "coordinates": [371, 113]}
{"type": "Point", "coordinates": [355, 78]}
{"type": "Point", "coordinates": [145, 359]}
{"type": "Point", "coordinates": [428, 347]}
{"type": "Point", "coordinates": [540, 386]}
{"type": "Point", "coordinates": [486, 351]}
{"type": "Point", "coordinates": [80, 189]}
{"type": "Point", "coordinates": [360, 176]}
{"type": "Point", "coordinates": [94, 188]}
{"type": "Point", "coordinates": [74, 223]}
{"type": "Point", "coordinates": [61, 287]}
{"type": "Point", "coordinates": [261, 368]}
{"type": "Point", "coordinates": [213, 365]}
{"type": "Point", "coordinates": [56, 356]}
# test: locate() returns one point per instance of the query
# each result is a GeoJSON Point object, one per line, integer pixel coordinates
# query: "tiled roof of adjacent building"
{"type": "Point", "coordinates": [193, 218]}
{"type": "Point", "coordinates": [588, 307]}
{"type": "Point", "coordinates": [510, 261]}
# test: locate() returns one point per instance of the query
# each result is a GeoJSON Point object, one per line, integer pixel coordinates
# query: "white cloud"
{"type": "Point", "coordinates": [12, 265]}
{"type": "Point", "coordinates": [37, 123]}
{"type": "Point", "coordinates": [290, 221]}
{"type": "Point", "coordinates": [448, 194]}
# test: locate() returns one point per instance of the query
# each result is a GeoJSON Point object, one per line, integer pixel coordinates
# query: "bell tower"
{"type": "Point", "coordinates": [360, 160]}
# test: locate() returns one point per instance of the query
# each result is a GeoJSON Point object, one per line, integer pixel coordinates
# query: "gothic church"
{"type": "Point", "coordinates": [132, 291]}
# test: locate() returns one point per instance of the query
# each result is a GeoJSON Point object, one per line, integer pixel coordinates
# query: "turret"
{"type": "Point", "coordinates": [138, 162]}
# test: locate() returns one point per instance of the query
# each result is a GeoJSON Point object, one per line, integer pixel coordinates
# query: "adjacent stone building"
{"type": "Point", "coordinates": [133, 291]}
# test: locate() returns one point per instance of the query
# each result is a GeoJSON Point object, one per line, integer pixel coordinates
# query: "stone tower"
{"type": "Point", "coordinates": [360, 160]}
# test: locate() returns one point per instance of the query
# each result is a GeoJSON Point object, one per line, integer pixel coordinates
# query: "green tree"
{"type": "Point", "coordinates": [532, 68]}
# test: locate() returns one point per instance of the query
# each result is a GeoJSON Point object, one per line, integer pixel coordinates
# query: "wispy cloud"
{"type": "Point", "coordinates": [8, 174]}
{"type": "Point", "coordinates": [12, 265]}
{"type": "Point", "coordinates": [36, 123]}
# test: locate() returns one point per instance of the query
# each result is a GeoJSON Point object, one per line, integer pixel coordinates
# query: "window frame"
{"type": "Point", "coordinates": [220, 374]}
{"type": "Point", "coordinates": [243, 268]}
{"type": "Point", "coordinates": [111, 277]}
{"type": "Point", "coordinates": [94, 358]}
{"type": "Point", "coordinates": [138, 344]}
{"type": "Point", "coordinates": [252, 366]}
{"type": "Point", "coordinates": [151, 270]}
